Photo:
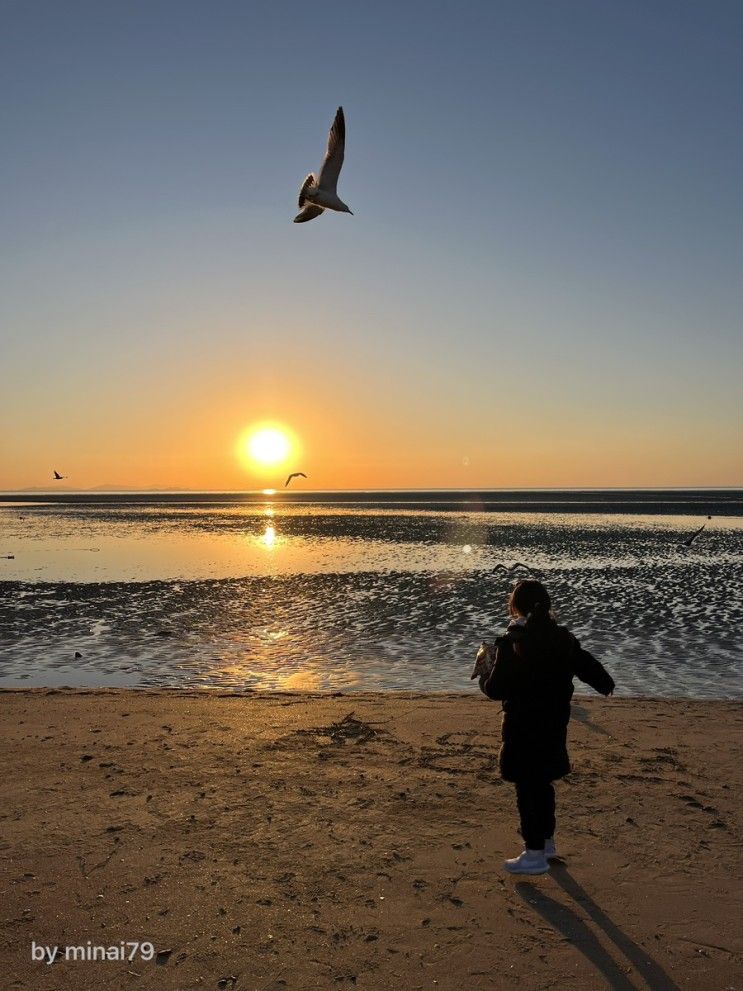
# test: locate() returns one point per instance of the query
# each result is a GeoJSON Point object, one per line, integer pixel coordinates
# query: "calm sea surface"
{"type": "Point", "coordinates": [350, 590]}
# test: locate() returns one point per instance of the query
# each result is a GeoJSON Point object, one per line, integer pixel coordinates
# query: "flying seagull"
{"type": "Point", "coordinates": [294, 474]}
{"type": "Point", "coordinates": [318, 193]}
{"type": "Point", "coordinates": [690, 540]}
{"type": "Point", "coordinates": [509, 569]}
{"type": "Point", "coordinates": [58, 477]}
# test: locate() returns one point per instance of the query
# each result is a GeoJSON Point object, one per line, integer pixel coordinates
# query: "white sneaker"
{"type": "Point", "coordinates": [550, 850]}
{"type": "Point", "coordinates": [528, 862]}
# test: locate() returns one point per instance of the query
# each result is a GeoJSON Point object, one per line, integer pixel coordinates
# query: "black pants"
{"type": "Point", "coordinates": [536, 802]}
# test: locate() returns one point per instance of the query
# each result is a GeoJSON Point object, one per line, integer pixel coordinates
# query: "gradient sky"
{"type": "Point", "coordinates": [542, 284]}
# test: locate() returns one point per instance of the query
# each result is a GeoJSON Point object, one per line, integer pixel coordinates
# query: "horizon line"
{"type": "Point", "coordinates": [100, 490]}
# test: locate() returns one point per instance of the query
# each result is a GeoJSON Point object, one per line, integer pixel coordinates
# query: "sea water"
{"type": "Point", "coordinates": [364, 591]}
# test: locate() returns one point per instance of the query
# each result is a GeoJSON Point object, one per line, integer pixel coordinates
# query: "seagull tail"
{"type": "Point", "coordinates": [308, 212]}
{"type": "Point", "coordinates": [309, 181]}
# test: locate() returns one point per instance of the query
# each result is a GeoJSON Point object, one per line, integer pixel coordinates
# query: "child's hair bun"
{"type": "Point", "coordinates": [530, 597]}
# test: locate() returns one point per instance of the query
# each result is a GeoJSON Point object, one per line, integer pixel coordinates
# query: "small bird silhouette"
{"type": "Point", "coordinates": [509, 569]}
{"type": "Point", "coordinates": [318, 193]}
{"type": "Point", "coordinates": [294, 474]}
{"type": "Point", "coordinates": [58, 477]}
{"type": "Point", "coordinates": [690, 540]}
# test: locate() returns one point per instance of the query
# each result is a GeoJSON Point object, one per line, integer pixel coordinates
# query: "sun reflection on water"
{"type": "Point", "coordinates": [302, 680]}
{"type": "Point", "coordinates": [268, 538]}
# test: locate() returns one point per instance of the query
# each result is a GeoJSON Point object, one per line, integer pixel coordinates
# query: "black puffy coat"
{"type": "Point", "coordinates": [533, 678]}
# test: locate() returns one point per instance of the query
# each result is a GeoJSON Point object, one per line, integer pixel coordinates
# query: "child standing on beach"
{"type": "Point", "coordinates": [532, 675]}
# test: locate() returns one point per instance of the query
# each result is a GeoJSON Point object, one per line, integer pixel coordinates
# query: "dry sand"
{"type": "Point", "coordinates": [299, 841]}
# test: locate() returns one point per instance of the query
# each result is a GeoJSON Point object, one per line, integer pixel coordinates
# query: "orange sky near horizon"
{"type": "Point", "coordinates": [352, 451]}
{"type": "Point", "coordinates": [371, 412]}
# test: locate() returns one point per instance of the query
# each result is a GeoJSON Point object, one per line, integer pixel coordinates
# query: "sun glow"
{"type": "Point", "coordinates": [265, 447]}
{"type": "Point", "coordinates": [268, 447]}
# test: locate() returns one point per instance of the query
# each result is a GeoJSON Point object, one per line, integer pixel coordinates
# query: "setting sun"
{"type": "Point", "coordinates": [265, 446]}
{"type": "Point", "coordinates": [268, 447]}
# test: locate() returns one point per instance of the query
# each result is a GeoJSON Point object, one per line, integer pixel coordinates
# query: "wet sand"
{"type": "Point", "coordinates": [293, 841]}
{"type": "Point", "coordinates": [317, 597]}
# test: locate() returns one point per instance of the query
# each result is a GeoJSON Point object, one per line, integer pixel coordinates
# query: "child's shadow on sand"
{"type": "Point", "coordinates": [570, 924]}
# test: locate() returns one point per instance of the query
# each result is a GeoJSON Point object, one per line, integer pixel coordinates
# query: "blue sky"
{"type": "Point", "coordinates": [543, 273]}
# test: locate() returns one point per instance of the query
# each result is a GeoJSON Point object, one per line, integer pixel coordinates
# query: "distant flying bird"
{"type": "Point", "coordinates": [294, 474]}
{"type": "Point", "coordinates": [58, 477]}
{"type": "Point", "coordinates": [513, 567]}
{"type": "Point", "coordinates": [318, 193]}
{"type": "Point", "coordinates": [690, 540]}
{"type": "Point", "coordinates": [525, 567]}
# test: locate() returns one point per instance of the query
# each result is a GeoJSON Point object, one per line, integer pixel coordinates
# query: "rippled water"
{"type": "Point", "coordinates": [348, 592]}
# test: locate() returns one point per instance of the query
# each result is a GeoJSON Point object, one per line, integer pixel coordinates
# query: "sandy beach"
{"type": "Point", "coordinates": [291, 841]}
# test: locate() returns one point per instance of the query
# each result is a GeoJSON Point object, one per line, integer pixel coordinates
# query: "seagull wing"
{"type": "Point", "coordinates": [305, 186]}
{"type": "Point", "coordinates": [690, 540]}
{"type": "Point", "coordinates": [526, 567]}
{"type": "Point", "coordinates": [331, 166]}
{"type": "Point", "coordinates": [309, 212]}
{"type": "Point", "coordinates": [294, 474]}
